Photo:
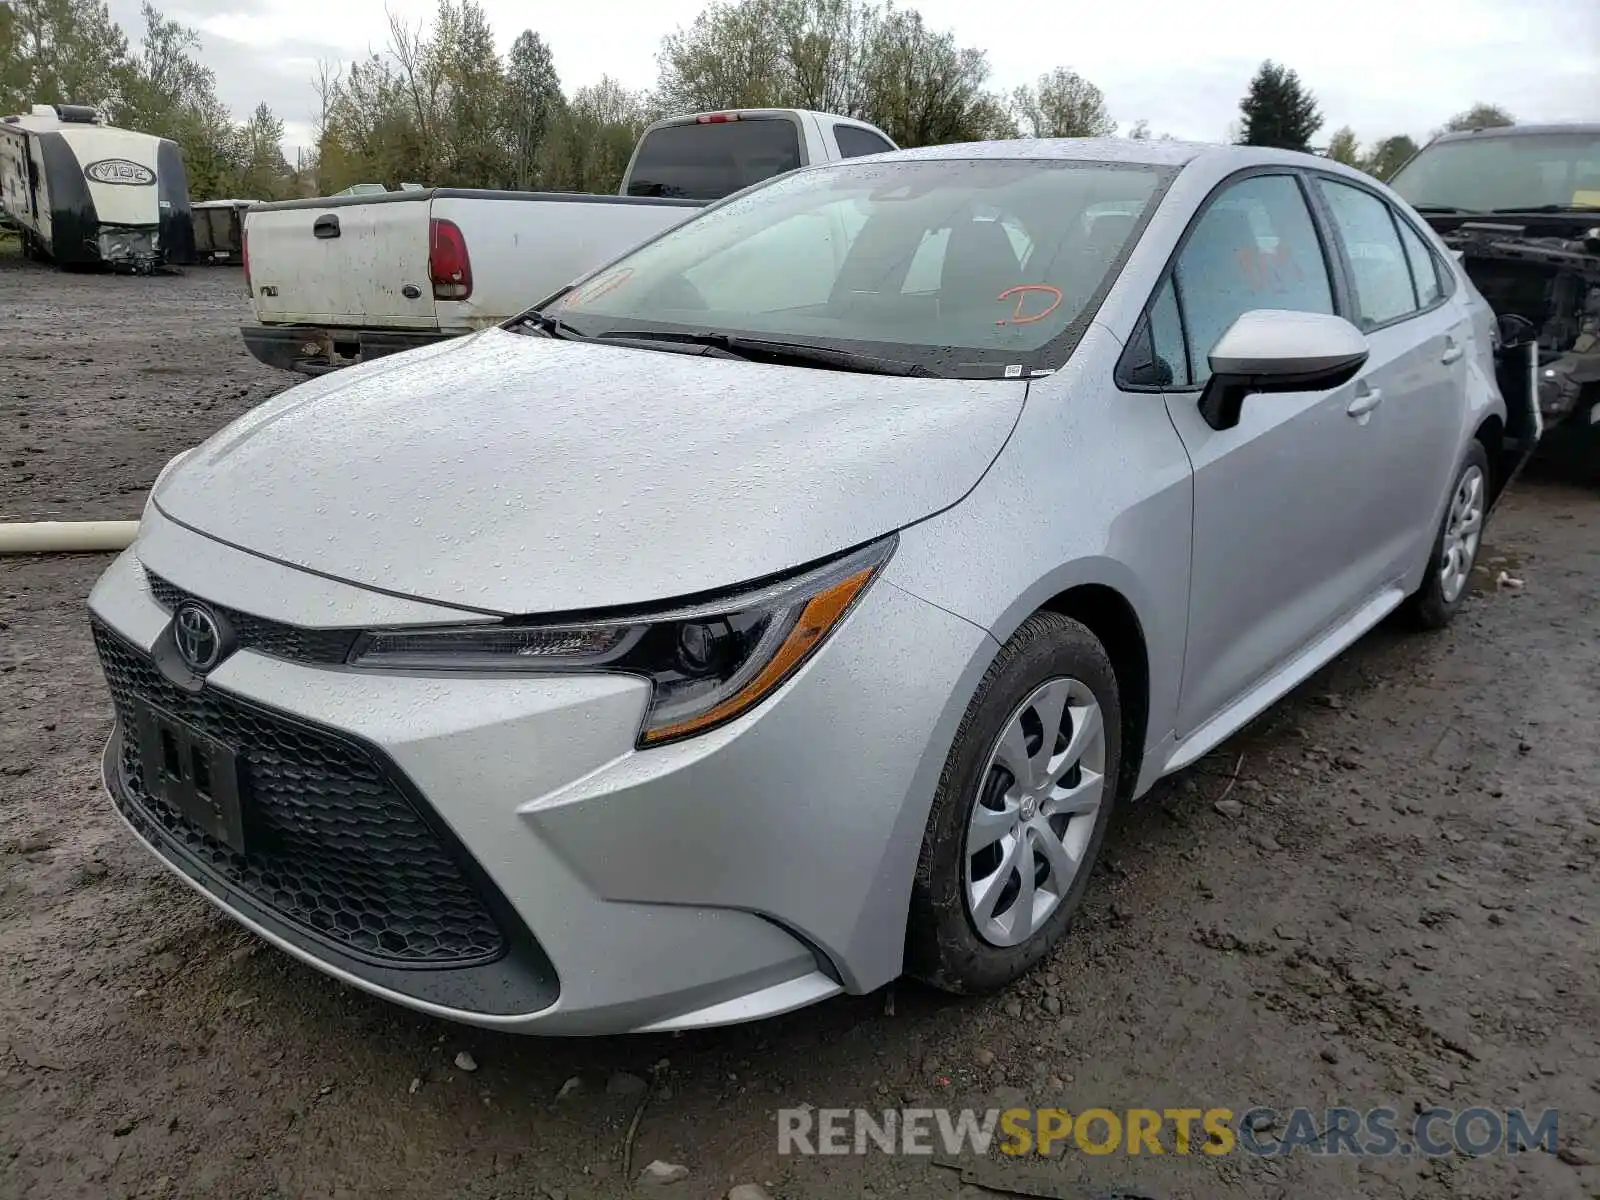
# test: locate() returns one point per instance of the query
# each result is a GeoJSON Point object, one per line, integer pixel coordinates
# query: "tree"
{"type": "Point", "coordinates": [853, 57]}
{"type": "Point", "coordinates": [469, 138]}
{"type": "Point", "coordinates": [1063, 104]}
{"type": "Point", "coordinates": [432, 109]}
{"type": "Point", "coordinates": [60, 52]}
{"type": "Point", "coordinates": [167, 91]}
{"type": "Point", "coordinates": [1479, 116]}
{"type": "Point", "coordinates": [588, 147]}
{"type": "Point", "coordinates": [1389, 155]}
{"type": "Point", "coordinates": [1140, 131]}
{"type": "Point", "coordinates": [532, 102]}
{"type": "Point", "coordinates": [782, 53]}
{"type": "Point", "coordinates": [1343, 147]}
{"type": "Point", "coordinates": [924, 90]}
{"type": "Point", "coordinates": [1278, 110]}
{"type": "Point", "coordinates": [263, 172]}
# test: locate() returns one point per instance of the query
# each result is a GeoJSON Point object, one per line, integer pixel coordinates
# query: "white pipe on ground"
{"type": "Point", "coordinates": [65, 537]}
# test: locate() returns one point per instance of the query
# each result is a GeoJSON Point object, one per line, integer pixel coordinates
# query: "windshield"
{"type": "Point", "coordinates": [993, 265]}
{"type": "Point", "coordinates": [1510, 171]}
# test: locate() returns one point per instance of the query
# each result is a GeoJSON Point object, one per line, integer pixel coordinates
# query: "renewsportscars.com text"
{"type": "Point", "coordinates": [1264, 1132]}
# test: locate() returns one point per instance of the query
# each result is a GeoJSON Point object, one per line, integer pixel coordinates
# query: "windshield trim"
{"type": "Point", "coordinates": [977, 362]}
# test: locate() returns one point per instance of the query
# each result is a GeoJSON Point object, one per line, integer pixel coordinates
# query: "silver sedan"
{"type": "Point", "coordinates": [791, 603]}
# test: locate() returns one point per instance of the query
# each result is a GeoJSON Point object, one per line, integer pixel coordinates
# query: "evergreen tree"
{"type": "Point", "coordinates": [533, 101]}
{"type": "Point", "coordinates": [1278, 111]}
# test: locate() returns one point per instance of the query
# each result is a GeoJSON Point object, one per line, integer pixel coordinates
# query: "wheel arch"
{"type": "Point", "coordinates": [1112, 618]}
{"type": "Point", "coordinates": [1491, 435]}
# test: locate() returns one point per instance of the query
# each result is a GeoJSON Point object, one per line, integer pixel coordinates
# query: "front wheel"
{"type": "Point", "coordinates": [1020, 812]}
{"type": "Point", "coordinates": [1455, 548]}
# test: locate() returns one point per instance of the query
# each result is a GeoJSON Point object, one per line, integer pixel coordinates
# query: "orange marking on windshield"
{"type": "Point", "coordinates": [1018, 317]}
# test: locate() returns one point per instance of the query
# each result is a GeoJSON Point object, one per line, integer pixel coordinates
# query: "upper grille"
{"type": "Point", "coordinates": [333, 846]}
{"type": "Point", "coordinates": [260, 634]}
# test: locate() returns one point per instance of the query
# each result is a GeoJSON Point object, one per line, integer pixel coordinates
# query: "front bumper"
{"type": "Point", "coordinates": [747, 872]}
{"type": "Point", "coordinates": [130, 247]}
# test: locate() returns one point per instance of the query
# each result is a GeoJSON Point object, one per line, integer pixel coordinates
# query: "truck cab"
{"type": "Point", "coordinates": [706, 156]}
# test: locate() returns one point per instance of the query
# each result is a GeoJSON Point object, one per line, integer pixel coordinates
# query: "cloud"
{"type": "Point", "coordinates": [1380, 66]}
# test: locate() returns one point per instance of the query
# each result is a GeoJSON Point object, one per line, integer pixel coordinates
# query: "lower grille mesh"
{"type": "Point", "coordinates": [332, 844]}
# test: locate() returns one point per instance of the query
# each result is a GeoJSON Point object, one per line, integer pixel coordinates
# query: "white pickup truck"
{"type": "Point", "coordinates": [337, 280]}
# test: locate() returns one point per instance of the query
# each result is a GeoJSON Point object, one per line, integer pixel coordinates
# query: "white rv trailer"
{"type": "Point", "coordinates": [85, 193]}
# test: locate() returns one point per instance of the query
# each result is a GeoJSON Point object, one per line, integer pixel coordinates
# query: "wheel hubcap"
{"type": "Point", "coordinates": [1035, 812]}
{"type": "Point", "coordinates": [1463, 527]}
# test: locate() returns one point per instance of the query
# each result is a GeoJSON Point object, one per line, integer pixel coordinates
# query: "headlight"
{"type": "Point", "coordinates": [707, 663]}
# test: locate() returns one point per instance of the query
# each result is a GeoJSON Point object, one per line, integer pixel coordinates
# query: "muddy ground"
{"type": "Point", "coordinates": [1404, 912]}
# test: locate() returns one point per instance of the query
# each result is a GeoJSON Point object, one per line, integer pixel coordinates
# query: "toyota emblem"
{"type": "Point", "coordinates": [198, 637]}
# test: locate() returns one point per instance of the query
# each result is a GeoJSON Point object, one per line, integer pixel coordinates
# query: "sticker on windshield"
{"type": "Point", "coordinates": [1014, 372]}
{"type": "Point", "coordinates": [593, 291]}
{"type": "Point", "coordinates": [1586, 196]}
{"type": "Point", "coordinates": [1021, 303]}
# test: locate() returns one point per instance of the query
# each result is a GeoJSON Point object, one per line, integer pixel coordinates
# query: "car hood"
{"type": "Point", "coordinates": [515, 474]}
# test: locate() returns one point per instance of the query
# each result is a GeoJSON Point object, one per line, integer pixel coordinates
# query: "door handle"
{"type": "Point", "coordinates": [1365, 402]}
{"type": "Point", "coordinates": [1452, 352]}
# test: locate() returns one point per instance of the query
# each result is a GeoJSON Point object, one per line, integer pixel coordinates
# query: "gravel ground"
{"type": "Point", "coordinates": [1400, 910]}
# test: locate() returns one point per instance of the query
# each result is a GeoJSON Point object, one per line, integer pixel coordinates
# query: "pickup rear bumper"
{"type": "Point", "coordinates": [316, 350]}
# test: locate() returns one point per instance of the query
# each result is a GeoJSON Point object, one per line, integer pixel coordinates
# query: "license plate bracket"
{"type": "Point", "coordinates": [193, 772]}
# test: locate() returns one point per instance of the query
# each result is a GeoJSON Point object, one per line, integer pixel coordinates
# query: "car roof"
{"type": "Point", "coordinates": [1501, 131]}
{"type": "Point", "coordinates": [1139, 151]}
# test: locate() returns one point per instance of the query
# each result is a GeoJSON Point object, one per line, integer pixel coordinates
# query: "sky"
{"type": "Point", "coordinates": [1380, 66]}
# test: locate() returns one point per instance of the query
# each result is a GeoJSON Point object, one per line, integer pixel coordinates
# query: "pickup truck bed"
{"type": "Point", "coordinates": [340, 279]}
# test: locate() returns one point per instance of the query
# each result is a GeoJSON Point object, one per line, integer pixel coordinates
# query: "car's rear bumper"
{"type": "Point", "coordinates": [318, 349]}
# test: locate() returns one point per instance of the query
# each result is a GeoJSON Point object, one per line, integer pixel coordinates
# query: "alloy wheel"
{"type": "Point", "coordinates": [1463, 529]}
{"type": "Point", "coordinates": [1035, 811]}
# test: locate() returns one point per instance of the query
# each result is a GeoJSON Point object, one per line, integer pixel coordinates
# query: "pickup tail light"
{"type": "Point", "coordinates": [449, 264]}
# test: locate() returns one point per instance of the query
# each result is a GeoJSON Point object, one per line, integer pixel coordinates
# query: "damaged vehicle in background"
{"type": "Point", "coordinates": [1520, 205]}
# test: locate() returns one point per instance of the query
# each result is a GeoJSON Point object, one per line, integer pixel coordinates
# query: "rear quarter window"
{"type": "Point", "coordinates": [855, 141]}
{"type": "Point", "coordinates": [707, 161]}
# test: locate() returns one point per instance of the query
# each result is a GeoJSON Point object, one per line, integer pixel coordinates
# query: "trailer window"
{"type": "Point", "coordinates": [710, 160]}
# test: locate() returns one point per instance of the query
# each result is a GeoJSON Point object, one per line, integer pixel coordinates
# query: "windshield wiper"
{"type": "Point", "coordinates": [1549, 208]}
{"type": "Point", "coordinates": [548, 325]}
{"type": "Point", "coordinates": [799, 353]}
{"type": "Point", "coordinates": [551, 326]}
{"type": "Point", "coordinates": [1442, 208]}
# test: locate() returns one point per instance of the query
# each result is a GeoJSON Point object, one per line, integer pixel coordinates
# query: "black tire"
{"type": "Point", "coordinates": [1427, 608]}
{"type": "Point", "coordinates": [943, 946]}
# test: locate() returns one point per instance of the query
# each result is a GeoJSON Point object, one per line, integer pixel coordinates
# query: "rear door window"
{"type": "Point", "coordinates": [1424, 266]}
{"type": "Point", "coordinates": [1384, 290]}
{"type": "Point", "coordinates": [855, 141]}
{"type": "Point", "coordinates": [713, 159]}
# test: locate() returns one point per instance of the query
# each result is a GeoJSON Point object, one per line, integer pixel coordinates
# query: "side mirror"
{"type": "Point", "coordinates": [1276, 350]}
